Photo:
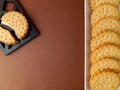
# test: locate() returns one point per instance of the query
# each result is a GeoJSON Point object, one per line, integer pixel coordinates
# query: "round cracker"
{"type": "Point", "coordinates": [106, 24]}
{"type": "Point", "coordinates": [104, 11]}
{"type": "Point", "coordinates": [107, 50]}
{"type": "Point", "coordinates": [105, 81]}
{"type": "Point", "coordinates": [96, 3]}
{"type": "Point", "coordinates": [104, 37]}
{"type": "Point", "coordinates": [105, 64]}
{"type": "Point", "coordinates": [17, 21]}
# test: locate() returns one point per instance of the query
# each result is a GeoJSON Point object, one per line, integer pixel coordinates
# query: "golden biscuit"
{"type": "Point", "coordinates": [104, 11]}
{"type": "Point", "coordinates": [106, 24]}
{"type": "Point", "coordinates": [6, 37]}
{"type": "Point", "coordinates": [95, 3]}
{"type": "Point", "coordinates": [17, 22]}
{"type": "Point", "coordinates": [105, 64]}
{"type": "Point", "coordinates": [105, 81]}
{"type": "Point", "coordinates": [108, 50]}
{"type": "Point", "coordinates": [105, 37]}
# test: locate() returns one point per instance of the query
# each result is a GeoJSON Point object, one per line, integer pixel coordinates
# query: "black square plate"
{"type": "Point", "coordinates": [32, 33]}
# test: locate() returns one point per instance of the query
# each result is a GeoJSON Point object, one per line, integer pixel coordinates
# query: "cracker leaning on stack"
{"type": "Point", "coordinates": [105, 45]}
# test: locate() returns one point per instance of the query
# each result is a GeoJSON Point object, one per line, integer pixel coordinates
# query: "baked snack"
{"type": "Point", "coordinates": [107, 50]}
{"type": "Point", "coordinates": [105, 64]}
{"type": "Point", "coordinates": [95, 3]}
{"type": "Point", "coordinates": [17, 22]}
{"type": "Point", "coordinates": [104, 11]}
{"type": "Point", "coordinates": [105, 80]}
{"type": "Point", "coordinates": [105, 45]}
{"type": "Point", "coordinates": [106, 24]}
{"type": "Point", "coordinates": [6, 37]}
{"type": "Point", "coordinates": [105, 37]}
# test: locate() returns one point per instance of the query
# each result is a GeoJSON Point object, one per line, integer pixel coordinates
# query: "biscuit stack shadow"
{"type": "Point", "coordinates": [105, 45]}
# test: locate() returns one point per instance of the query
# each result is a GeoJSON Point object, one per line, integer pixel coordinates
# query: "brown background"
{"type": "Point", "coordinates": [53, 60]}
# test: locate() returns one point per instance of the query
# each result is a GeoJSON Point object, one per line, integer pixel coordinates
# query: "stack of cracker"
{"type": "Point", "coordinates": [105, 45]}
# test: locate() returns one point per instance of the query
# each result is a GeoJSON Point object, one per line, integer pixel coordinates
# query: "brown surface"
{"type": "Point", "coordinates": [54, 60]}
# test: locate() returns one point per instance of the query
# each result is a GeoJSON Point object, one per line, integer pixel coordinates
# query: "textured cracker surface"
{"type": "Point", "coordinates": [105, 81]}
{"type": "Point", "coordinates": [112, 51]}
{"type": "Point", "coordinates": [17, 22]}
{"type": "Point", "coordinates": [106, 24]}
{"type": "Point", "coordinates": [6, 37]}
{"type": "Point", "coordinates": [105, 64]}
{"type": "Point", "coordinates": [104, 11]}
{"type": "Point", "coordinates": [95, 3]}
{"type": "Point", "coordinates": [104, 38]}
